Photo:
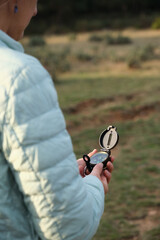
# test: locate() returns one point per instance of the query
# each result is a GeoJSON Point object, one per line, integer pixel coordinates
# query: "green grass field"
{"type": "Point", "coordinates": [99, 88]}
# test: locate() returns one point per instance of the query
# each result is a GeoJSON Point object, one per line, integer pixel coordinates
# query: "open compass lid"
{"type": "Point", "coordinates": [109, 138]}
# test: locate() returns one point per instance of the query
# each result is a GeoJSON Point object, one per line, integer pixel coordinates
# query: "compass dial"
{"type": "Point", "coordinates": [99, 158]}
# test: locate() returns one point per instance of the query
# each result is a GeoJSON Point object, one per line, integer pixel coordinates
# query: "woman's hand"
{"type": "Point", "coordinates": [82, 164]}
{"type": "Point", "coordinates": [103, 175]}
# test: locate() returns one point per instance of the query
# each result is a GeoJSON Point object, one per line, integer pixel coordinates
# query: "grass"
{"type": "Point", "coordinates": [93, 96]}
{"type": "Point", "coordinates": [134, 189]}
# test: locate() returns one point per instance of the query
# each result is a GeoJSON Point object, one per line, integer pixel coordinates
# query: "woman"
{"type": "Point", "coordinates": [43, 193]}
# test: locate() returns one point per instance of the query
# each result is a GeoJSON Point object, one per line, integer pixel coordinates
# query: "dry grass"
{"type": "Point", "coordinates": [105, 91]}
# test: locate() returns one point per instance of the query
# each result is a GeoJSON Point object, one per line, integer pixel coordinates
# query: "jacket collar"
{"type": "Point", "coordinates": [9, 42]}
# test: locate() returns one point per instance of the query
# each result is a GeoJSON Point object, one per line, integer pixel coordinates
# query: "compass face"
{"type": "Point", "coordinates": [99, 157]}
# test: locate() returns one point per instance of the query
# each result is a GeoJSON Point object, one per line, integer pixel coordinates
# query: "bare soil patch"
{"type": "Point", "coordinates": [89, 104]}
{"type": "Point", "coordinates": [149, 222]}
{"type": "Point", "coordinates": [140, 112]}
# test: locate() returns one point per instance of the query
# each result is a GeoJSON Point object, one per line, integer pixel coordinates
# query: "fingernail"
{"type": "Point", "coordinates": [100, 164]}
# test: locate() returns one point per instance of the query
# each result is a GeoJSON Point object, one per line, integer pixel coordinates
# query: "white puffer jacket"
{"type": "Point", "coordinates": [42, 195]}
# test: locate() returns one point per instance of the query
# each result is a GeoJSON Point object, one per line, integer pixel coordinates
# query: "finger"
{"type": "Point", "coordinates": [92, 153]}
{"type": "Point", "coordinates": [110, 167]}
{"type": "Point", "coordinates": [108, 175]}
{"type": "Point", "coordinates": [112, 159]}
{"type": "Point", "coordinates": [97, 170]}
{"type": "Point", "coordinates": [81, 171]}
{"type": "Point", "coordinates": [87, 172]}
{"type": "Point", "coordinates": [81, 162]}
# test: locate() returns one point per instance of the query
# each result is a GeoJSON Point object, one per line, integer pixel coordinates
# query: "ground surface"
{"type": "Point", "coordinates": [101, 86]}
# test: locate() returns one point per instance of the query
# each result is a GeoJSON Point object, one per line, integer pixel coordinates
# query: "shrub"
{"type": "Point", "coordinates": [117, 40]}
{"type": "Point", "coordinates": [72, 37]}
{"type": "Point", "coordinates": [65, 52]}
{"type": "Point", "coordinates": [133, 62]}
{"type": "Point", "coordinates": [139, 55]}
{"type": "Point", "coordinates": [96, 38]}
{"type": "Point", "coordinates": [84, 56]}
{"type": "Point", "coordinates": [156, 23]}
{"type": "Point", "coordinates": [36, 41]}
{"type": "Point", "coordinates": [54, 62]}
{"type": "Point", "coordinates": [146, 53]}
{"type": "Point", "coordinates": [116, 58]}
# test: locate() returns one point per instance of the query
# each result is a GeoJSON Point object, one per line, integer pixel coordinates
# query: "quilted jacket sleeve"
{"type": "Point", "coordinates": [39, 151]}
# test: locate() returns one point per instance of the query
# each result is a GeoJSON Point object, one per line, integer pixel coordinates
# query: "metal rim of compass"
{"type": "Point", "coordinates": [103, 134]}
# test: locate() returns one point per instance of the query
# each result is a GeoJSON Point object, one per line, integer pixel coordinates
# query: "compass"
{"type": "Point", "coordinates": [107, 141]}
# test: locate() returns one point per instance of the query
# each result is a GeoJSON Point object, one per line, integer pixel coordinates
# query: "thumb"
{"type": "Point", "coordinates": [81, 170]}
{"type": "Point", "coordinates": [97, 170]}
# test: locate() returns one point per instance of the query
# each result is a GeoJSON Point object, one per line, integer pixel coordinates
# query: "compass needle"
{"type": "Point", "coordinates": [109, 140]}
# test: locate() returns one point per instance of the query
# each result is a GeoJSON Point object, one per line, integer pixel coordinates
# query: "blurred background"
{"type": "Point", "coordinates": [104, 57]}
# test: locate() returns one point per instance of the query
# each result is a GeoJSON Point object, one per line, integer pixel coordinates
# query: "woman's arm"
{"type": "Point", "coordinates": [62, 204]}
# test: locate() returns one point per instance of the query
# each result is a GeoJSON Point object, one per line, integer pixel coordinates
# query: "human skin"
{"type": "Point", "coordinates": [103, 175]}
{"type": "Point", "coordinates": [14, 24]}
